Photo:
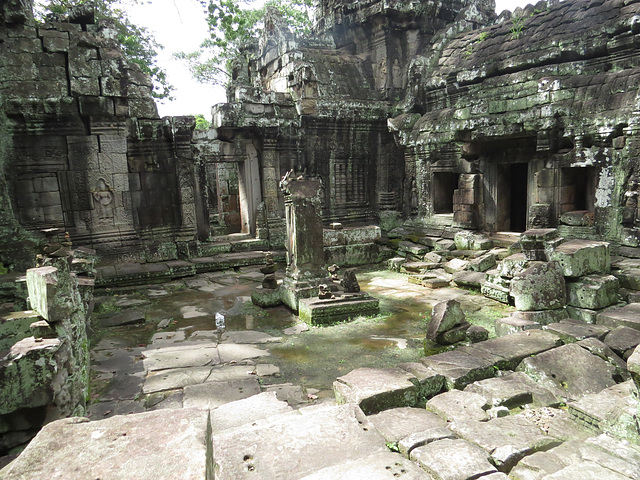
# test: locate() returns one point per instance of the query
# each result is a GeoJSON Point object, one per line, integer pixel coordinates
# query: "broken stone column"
{"type": "Point", "coordinates": [305, 249]}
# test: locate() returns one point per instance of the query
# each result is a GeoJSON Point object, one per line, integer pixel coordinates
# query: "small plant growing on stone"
{"type": "Point", "coordinates": [393, 446]}
{"type": "Point", "coordinates": [517, 27]}
{"type": "Point", "coordinates": [483, 36]}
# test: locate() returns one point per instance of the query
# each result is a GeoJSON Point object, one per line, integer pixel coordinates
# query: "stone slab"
{"type": "Point", "coordinates": [509, 325]}
{"type": "Point", "coordinates": [122, 447]}
{"type": "Point", "coordinates": [627, 316]}
{"type": "Point", "coordinates": [459, 368]}
{"type": "Point", "coordinates": [383, 466]}
{"type": "Point", "coordinates": [398, 423]}
{"type": "Point", "coordinates": [175, 378]}
{"type": "Point", "coordinates": [570, 371]}
{"type": "Point", "coordinates": [513, 390]}
{"type": "Point", "coordinates": [296, 444]}
{"type": "Point", "coordinates": [374, 390]}
{"type": "Point", "coordinates": [541, 286]}
{"type": "Point", "coordinates": [571, 331]}
{"type": "Point", "coordinates": [181, 357]}
{"type": "Point", "coordinates": [453, 460]}
{"type": "Point", "coordinates": [622, 339]}
{"type": "Point", "coordinates": [593, 291]}
{"type": "Point", "coordinates": [315, 311]}
{"type": "Point", "coordinates": [214, 394]}
{"type": "Point", "coordinates": [407, 444]}
{"type": "Point", "coordinates": [231, 352]}
{"type": "Point", "coordinates": [507, 439]}
{"type": "Point", "coordinates": [249, 336]}
{"type": "Point", "coordinates": [582, 257]}
{"type": "Point", "coordinates": [458, 405]}
{"type": "Point", "coordinates": [245, 411]}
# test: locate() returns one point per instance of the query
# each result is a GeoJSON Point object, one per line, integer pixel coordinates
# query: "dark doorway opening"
{"type": "Point", "coordinates": [512, 197]}
{"type": "Point", "coordinates": [578, 189]}
{"type": "Point", "coordinates": [444, 185]}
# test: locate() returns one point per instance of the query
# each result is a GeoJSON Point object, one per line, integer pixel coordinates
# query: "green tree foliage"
{"type": "Point", "coordinates": [233, 23]}
{"type": "Point", "coordinates": [201, 122]}
{"type": "Point", "coordinates": [138, 45]}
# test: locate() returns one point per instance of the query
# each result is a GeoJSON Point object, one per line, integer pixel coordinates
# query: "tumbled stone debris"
{"type": "Point", "coordinates": [513, 390]}
{"type": "Point", "coordinates": [168, 444]}
{"type": "Point", "coordinates": [374, 390]}
{"type": "Point", "coordinates": [541, 286]}
{"type": "Point", "coordinates": [578, 257]}
{"type": "Point", "coordinates": [622, 339]}
{"type": "Point", "coordinates": [593, 291]}
{"type": "Point", "coordinates": [627, 316]}
{"type": "Point", "coordinates": [444, 317]}
{"type": "Point", "coordinates": [571, 331]}
{"type": "Point", "coordinates": [296, 444]}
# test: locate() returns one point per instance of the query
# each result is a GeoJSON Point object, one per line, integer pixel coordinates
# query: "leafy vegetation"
{"type": "Point", "coordinates": [201, 122]}
{"type": "Point", "coordinates": [233, 23]}
{"type": "Point", "coordinates": [517, 27]}
{"type": "Point", "coordinates": [138, 45]}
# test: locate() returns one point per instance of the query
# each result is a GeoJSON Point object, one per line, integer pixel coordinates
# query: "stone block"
{"type": "Point", "coordinates": [543, 317]}
{"type": "Point", "coordinates": [456, 405]}
{"type": "Point", "coordinates": [593, 291]}
{"type": "Point", "coordinates": [571, 331]}
{"type": "Point", "coordinates": [374, 390]}
{"type": "Point", "coordinates": [582, 257]}
{"type": "Point", "coordinates": [622, 339]}
{"type": "Point", "coordinates": [412, 249]}
{"type": "Point", "coordinates": [445, 316]}
{"type": "Point", "coordinates": [512, 391]}
{"type": "Point", "coordinates": [246, 411]}
{"type": "Point", "coordinates": [463, 240]}
{"type": "Point", "coordinates": [453, 459]}
{"type": "Point", "coordinates": [398, 423]}
{"type": "Point", "coordinates": [215, 394]}
{"type": "Point", "coordinates": [627, 316]}
{"type": "Point", "coordinates": [509, 325]}
{"type": "Point", "coordinates": [314, 438]}
{"type": "Point", "coordinates": [569, 371]}
{"type": "Point", "coordinates": [316, 311]}
{"type": "Point", "coordinates": [495, 292]}
{"type": "Point", "coordinates": [507, 439]}
{"type": "Point", "coordinates": [459, 368]}
{"type": "Point", "coordinates": [540, 287]}
{"type": "Point", "coordinates": [445, 245]}
{"type": "Point", "coordinates": [540, 215]}
{"type": "Point", "coordinates": [513, 265]}
{"type": "Point", "coordinates": [15, 326]}
{"type": "Point", "coordinates": [381, 466]}
{"type": "Point", "coordinates": [483, 263]}
{"type": "Point", "coordinates": [455, 265]}
{"type": "Point", "coordinates": [464, 196]}
{"type": "Point", "coordinates": [469, 279]}
{"type": "Point", "coordinates": [578, 218]}
{"type": "Point", "coordinates": [42, 284]}
{"type": "Point", "coordinates": [184, 451]}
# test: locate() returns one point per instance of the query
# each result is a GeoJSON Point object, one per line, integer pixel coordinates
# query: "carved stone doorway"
{"type": "Point", "coordinates": [512, 198]}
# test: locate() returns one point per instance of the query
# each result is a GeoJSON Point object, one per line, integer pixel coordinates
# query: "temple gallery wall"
{"type": "Point", "coordinates": [418, 133]}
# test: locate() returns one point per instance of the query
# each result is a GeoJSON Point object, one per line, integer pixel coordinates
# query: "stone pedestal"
{"type": "Point", "coordinates": [316, 311]}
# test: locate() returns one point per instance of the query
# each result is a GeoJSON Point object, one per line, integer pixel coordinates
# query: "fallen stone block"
{"type": "Point", "coordinates": [593, 291]}
{"type": "Point", "coordinates": [314, 438]}
{"type": "Point", "coordinates": [382, 466]}
{"type": "Point", "coordinates": [627, 316]}
{"type": "Point", "coordinates": [123, 446]}
{"type": "Point", "coordinates": [483, 263]}
{"type": "Point", "coordinates": [398, 423]}
{"type": "Point", "coordinates": [469, 279]}
{"type": "Point", "coordinates": [374, 390]}
{"type": "Point", "coordinates": [613, 411]}
{"type": "Point", "coordinates": [453, 459]}
{"type": "Point", "coordinates": [512, 265]}
{"type": "Point", "coordinates": [622, 339]}
{"type": "Point", "coordinates": [600, 349]}
{"type": "Point", "coordinates": [413, 249]}
{"type": "Point", "coordinates": [507, 439]}
{"type": "Point", "coordinates": [509, 325]}
{"type": "Point", "coordinates": [505, 353]}
{"type": "Point", "coordinates": [569, 371]}
{"type": "Point", "coordinates": [459, 368]}
{"type": "Point", "coordinates": [444, 316]}
{"type": "Point", "coordinates": [513, 390]}
{"type": "Point", "coordinates": [540, 287]}
{"type": "Point", "coordinates": [14, 327]}
{"type": "Point", "coordinates": [578, 258]}
{"type": "Point", "coordinates": [571, 331]}
{"type": "Point", "coordinates": [420, 439]}
{"type": "Point", "coordinates": [455, 265]}
{"type": "Point", "coordinates": [495, 292]}
{"type": "Point", "coordinates": [395, 264]}
{"type": "Point", "coordinates": [456, 405]}
{"type": "Point", "coordinates": [430, 382]}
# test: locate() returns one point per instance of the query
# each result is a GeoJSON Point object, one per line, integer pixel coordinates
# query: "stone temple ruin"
{"type": "Point", "coordinates": [498, 153]}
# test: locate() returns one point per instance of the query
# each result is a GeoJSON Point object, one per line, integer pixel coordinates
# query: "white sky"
{"type": "Point", "coordinates": [180, 25]}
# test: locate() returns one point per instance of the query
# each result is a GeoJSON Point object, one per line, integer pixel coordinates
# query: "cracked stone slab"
{"type": "Point", "coordinates": [312, 438]}
{"type": "Point", "coordinates": [453, 460]}
{"type": "Point", "coordinates": [407, 444]}
{"type": "Point", "coordinates": [376, 389]}
{"type": "Point", "coordinates": [571, 331]}
{"type": "Point", "coordinates": [507, 439]}
{"type": "Point", "coordinates": [214, 394]}
{"type": "Point", "coordinates": [118, 448]}
{"type": "Point", "coordinates": [398, 423]}
{"type": "Point", "coordinates": [384, 466]}
{"type": "Point", "coordinates": [166, 358]}
{"type": "Point", "coordinates": [175, 378]}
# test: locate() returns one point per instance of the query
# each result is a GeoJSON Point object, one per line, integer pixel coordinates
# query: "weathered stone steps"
{"type": "Point", "coordinates": [131, 274]}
